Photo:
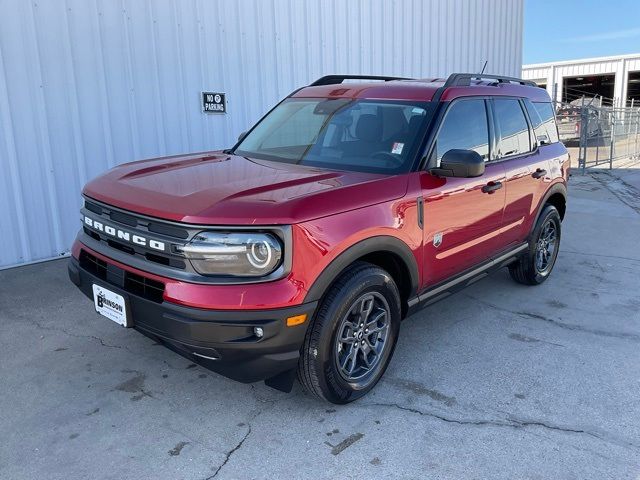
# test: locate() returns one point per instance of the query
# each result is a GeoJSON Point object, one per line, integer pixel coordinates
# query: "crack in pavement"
{"type": "Point", "coordinates": [75, 335]}
{"type": "Point", "coordinates": [567, 326]}
{"type": "Point", "coordinates": [238, 446]}
{"type": "Point", "coordinates": [231, 452]}
{"type": "Point", "coordinates": [511, 422]}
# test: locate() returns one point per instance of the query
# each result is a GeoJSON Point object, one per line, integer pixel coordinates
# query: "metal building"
{"type": "Point", "coordinates": [613, 80]}
{"type": "Point", "coordinates": [88, 84]}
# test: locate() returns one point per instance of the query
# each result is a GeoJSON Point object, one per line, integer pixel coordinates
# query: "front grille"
{"type": "Point", "coordinates": [93, 207]}
{"type": "Point", "coordinates": [123, 218]}
{"type": "Point", "coordinates": [128, 281]}
{"type": "Point", "coordinates": [133, 220]}
{"type": "Point", "coordinates": [144, 226]}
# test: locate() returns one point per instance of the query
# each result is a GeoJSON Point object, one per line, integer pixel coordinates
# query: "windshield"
{"type": "Point", "coordinates": [344, 134]}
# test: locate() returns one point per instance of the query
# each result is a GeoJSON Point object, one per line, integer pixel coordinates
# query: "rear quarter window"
{"type": "Point", "coordinates": [543, 120]}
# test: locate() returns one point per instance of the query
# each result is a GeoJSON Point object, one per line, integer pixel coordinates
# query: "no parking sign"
{"type": "Point", "coordinates": [213, 102]}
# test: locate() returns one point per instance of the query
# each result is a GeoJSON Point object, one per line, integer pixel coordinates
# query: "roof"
{"type": "Point", "coordinates": [422, 90]}
{"type": "Point", "coordinates": [416, 90]}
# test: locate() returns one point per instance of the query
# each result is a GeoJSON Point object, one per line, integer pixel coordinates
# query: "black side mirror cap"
{"type": "Point", "coordinates": [241, 136]}
{"type": "Point", "coordinates": [460, 163]}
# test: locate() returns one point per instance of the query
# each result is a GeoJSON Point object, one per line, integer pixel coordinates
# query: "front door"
{"type": "Point", "coordinates": [462, 217]}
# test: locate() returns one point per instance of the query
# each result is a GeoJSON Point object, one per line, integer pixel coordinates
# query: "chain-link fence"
{"type": "Point", "coordinates": [605, 136]}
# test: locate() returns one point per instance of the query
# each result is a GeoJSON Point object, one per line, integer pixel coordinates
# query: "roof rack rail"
{"type": "Point", "coordinates": [334, 79]}
{"type": "Point", "coordinates": [464, 79]}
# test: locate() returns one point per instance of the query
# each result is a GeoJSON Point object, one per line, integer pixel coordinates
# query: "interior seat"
{"type": "Point", "coordinates": [369, 137]}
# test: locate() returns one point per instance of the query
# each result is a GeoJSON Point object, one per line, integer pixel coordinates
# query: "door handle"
{"type": "Point", "coordinates": [539, 173]}
{"type": "Point", "coordinates": [492, 187]}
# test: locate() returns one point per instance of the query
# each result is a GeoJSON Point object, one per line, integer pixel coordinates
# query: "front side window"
{"type": "Point", "coordinates": [513, 129]}
{"type": "Point", "coordinates": [346, 134]}
{"type": "Point", "coordinates": [464, 127]}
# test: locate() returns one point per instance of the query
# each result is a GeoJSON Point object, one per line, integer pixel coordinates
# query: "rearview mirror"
{"type": "Point", "coordinates": [460, 163]}
{"type": "Point", "coordinates": [241, 136]}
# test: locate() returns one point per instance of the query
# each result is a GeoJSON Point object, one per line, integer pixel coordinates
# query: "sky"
{"type": "Point", "coordinates": [570, 29]}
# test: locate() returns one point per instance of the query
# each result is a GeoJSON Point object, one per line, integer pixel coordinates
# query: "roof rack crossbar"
{"type": "Point", "coordinates": [334, 79]}
{"type": "Point", "coordinates": [464, 79]}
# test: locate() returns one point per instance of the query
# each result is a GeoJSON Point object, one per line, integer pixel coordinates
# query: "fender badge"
{"type": "Point", "coordinates": [437, 239]}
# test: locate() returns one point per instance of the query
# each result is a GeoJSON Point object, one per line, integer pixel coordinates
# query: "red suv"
{"type": "Point", "coordinates": [351, 204]}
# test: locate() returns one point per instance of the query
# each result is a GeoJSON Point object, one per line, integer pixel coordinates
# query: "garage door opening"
{"type": "Point", "coordinates": [633, 89]}
{"type": "Point", "coordinates": [597, 87]}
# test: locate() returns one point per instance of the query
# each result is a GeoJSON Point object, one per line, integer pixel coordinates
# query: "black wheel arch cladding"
{"type": "Point", "coordinates": [372, 245]}
{"type": "Point", "coordinates": [557, 191]}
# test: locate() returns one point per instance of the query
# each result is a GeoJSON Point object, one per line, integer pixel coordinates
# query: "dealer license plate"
{"type": "Point", "coordinates": [110, 305]}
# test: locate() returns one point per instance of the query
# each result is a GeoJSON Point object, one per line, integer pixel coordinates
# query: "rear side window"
{"type": "Point", "coordinates": [464, 127]}
{"type": "Point", "coordinates": [513, 129]}
{"type": "Point", "coordinates": [543, 112]}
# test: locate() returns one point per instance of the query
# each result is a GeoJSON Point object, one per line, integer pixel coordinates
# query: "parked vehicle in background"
{"type": "Point", "coordinates": [341, 212]}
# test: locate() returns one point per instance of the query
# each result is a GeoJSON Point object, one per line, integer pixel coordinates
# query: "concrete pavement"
{"type": "Point", "coordinates": [498, 381]}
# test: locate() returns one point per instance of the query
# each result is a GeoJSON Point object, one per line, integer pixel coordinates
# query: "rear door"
{"type": "Point", "coordinates": [526, 166]}
{"type": "Point", "coordinates": [461, 220]}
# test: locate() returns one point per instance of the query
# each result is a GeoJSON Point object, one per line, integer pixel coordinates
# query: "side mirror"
{"type": "Point", "coordinates": [241, 136]}
{"type": "Point", "coordinates": [460, 163]}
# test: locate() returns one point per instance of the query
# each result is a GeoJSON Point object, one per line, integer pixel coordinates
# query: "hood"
{"type": "Point", "coordinates": [214, 188]}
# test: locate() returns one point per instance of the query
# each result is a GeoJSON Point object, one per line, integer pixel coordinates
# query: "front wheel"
{"type": "Point", "coordinates": [351, 340]}
{"type": "Point", "coordinates": [534, 267]}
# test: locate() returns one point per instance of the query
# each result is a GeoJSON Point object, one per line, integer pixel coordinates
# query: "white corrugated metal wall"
{"type": "Point", "coordinates": [554, 73]}
{"type": "Point", "coordinates": [88, 84]}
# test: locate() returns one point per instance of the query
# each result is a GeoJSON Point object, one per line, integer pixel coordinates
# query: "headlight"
{"type": "Point", "coordinates": [229, 253]}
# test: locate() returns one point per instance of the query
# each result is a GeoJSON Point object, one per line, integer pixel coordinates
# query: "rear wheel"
{"type": "Point", "coordinates": [351, 340]}
{"type": "Point", "coordinates": [534, 267]}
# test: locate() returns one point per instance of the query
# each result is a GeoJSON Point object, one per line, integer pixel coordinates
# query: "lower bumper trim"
{"type": "Point", "coordinates": [220, 340]}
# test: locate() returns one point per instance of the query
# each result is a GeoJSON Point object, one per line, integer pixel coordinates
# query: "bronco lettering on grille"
{"type": "Point", "coordinates": [124, 235]}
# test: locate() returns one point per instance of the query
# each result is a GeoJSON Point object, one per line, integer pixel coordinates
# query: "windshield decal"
{"type": "Point", "coordinates": [397, 148]}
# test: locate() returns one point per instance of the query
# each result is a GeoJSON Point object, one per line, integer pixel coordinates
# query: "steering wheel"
{"type": "Point", "coordinates": [396, 161]}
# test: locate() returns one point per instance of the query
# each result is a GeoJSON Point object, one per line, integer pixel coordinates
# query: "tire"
{"type": "Point", "coordinates": [528, 270]}
{"type": "Point", "coordinates": [325, 359]}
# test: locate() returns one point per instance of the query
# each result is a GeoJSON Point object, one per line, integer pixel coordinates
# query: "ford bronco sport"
{"type": "Point", "coordinates": [351, 204]}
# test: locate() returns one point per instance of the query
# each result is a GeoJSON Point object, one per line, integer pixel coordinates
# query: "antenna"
{"type": "Point", "coordinates": [485, 66]}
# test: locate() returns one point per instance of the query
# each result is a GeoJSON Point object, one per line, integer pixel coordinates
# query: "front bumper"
{"type": "Point", "coordinates": [220, 340]}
